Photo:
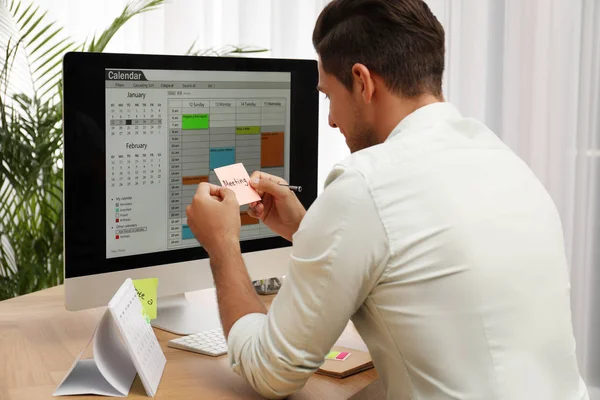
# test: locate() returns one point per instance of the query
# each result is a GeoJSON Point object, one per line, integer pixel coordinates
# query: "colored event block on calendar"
{"type": "Point", "coordinates": [221, 156]}
{"type": "Point", "coordinates": [186, 232]}
{"type": "Point", "coordinates": [247, 130]}
{"type": "Point", "coordinates": [194, 180]}
{"type": "Point", "coordinates": [194, 121]}
{"type": "Point", "coordinates": [271, 149]}
{"type": "Point", "coordinates": [247, 220]}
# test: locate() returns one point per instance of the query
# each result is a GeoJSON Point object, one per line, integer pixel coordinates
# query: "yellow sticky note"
{"type": "Point", "coordinates": [146, 290]}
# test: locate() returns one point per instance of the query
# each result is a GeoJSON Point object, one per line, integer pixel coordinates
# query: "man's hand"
{"type": "Point", "coordinates": [214, 218]}
{"type": "Point", "coordinates": [279, 209]}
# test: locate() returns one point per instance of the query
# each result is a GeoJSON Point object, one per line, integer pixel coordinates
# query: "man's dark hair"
{"type": "Point", "coordinates": [399, 40]}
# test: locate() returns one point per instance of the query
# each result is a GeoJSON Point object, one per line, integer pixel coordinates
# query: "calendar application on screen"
{"type": "Point", "coordinates": [166, 131]}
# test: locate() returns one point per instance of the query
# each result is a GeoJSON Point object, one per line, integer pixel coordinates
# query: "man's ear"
{"type": "Point", "coordinates": [363, 82]}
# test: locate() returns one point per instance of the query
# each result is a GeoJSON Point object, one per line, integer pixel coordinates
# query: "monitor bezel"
{"type": "Point", "coordinates": [84, 162]}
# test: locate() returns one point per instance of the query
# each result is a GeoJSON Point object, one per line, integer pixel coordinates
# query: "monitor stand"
{"type": "Point", "coordinates": [187, 314]}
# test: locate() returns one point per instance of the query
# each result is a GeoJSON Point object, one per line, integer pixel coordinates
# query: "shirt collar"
{"type": "Point", "coordinates": [426, 116]}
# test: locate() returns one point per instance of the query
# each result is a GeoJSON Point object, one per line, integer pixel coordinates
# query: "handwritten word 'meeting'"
{"type": "Point", "coordinates": [235, 182]}
{"type": "Point", "coordinates": [235, 177]}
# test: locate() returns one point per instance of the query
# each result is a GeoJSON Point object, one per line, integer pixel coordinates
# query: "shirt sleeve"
{"type": "Point", "coordinates": [339, 252]}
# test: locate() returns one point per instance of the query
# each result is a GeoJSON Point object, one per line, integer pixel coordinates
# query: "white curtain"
{"type": "Point", "coordinates": [586, 222]}
{"type": "Point", "coordinates": [529, 69]}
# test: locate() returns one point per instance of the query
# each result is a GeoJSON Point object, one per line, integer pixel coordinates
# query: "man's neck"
{"type": "Point", "coordinates": [395, 109]}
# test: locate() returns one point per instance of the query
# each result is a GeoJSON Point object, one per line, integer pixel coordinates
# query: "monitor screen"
{"type": "Point", "coordinates": [142, 131]}
{"type": "Point", "coordinates": [167, 130]}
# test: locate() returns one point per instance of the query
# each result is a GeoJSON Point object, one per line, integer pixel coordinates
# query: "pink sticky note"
{"type": "Point", "coordinates": [235, 177]}
{"type": "Point", "coordinates": [338, 355]}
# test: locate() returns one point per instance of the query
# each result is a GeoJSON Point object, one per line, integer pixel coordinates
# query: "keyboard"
{"type": "Point", "coordinates": [210, 343]}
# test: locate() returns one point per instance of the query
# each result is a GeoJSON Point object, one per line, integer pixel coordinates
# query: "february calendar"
{"type": "Point", "coordinates": [136, 168]}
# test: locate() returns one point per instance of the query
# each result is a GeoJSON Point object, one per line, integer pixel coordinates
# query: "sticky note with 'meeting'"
{"type": "Point", "coordinates": [235, 177]}
{"type": "Point", "coordinates": [338, 355]}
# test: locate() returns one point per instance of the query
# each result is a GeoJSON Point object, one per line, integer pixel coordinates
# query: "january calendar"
{"type": "Point", "coordinates": [124, 345]}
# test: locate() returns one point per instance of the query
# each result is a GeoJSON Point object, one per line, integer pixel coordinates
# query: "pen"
{"type": "Point", "coordinates": [291, 187]}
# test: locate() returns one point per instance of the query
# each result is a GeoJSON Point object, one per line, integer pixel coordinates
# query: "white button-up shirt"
{"type": "Point", "coordinates": [447, 254]}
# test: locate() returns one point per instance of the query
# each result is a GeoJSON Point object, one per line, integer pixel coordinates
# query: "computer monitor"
{"type": "Point", "coordinates": [140, 133]}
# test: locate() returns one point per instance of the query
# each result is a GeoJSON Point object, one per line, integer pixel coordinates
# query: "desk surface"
{"type": "Point", "coordinates": [39, 340]}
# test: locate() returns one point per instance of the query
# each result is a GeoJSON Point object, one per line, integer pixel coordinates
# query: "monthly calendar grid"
{"type": "Point", "coordinates": [136, 167]}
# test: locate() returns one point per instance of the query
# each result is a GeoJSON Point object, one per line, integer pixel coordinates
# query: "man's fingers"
{"type": "Point", "coordinates": [190, 219]}
{"type": "Point", "coordinates": [252, 213]}
{"type": "Point", "coordinates": [270, 186]}
{"type": "Point", "coordinates": [259, 208]}
{"type": "Point", "coordinates": [227, 195]}
{"type": "Point", "coordinates": [268, 177]}
{"type": "Point", "coordinates": [257, 211]}
{"type": "Point", "coordinates": [260, 181]}
{"type": "Point", "coordinates": [256, 175]}
{"type": "Point", "coordinates": [208, 189]}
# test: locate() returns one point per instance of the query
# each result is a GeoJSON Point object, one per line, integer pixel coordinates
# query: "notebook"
{"type": "Point", "coordinates": [358, 361]}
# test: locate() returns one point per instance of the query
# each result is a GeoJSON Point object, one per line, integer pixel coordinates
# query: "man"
{"type": "Point", "coordinates": [438, 242]}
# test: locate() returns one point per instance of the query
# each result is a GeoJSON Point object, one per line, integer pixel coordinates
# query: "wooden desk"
{"type": "Point", "coordinates": [39, 340]}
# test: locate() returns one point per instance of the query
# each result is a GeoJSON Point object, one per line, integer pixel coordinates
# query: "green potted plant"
{"type": "Point", "coordinates": [31, 229]}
